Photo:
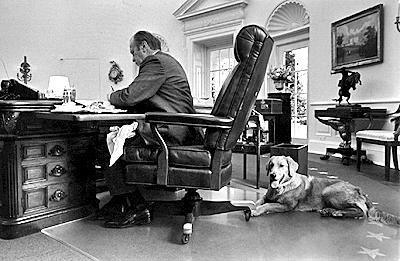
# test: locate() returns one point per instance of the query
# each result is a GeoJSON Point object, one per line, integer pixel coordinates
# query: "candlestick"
{"type": "Point", "coordinates": [397, 22]}
{"type": "Point", "coordinates": [24, 70]}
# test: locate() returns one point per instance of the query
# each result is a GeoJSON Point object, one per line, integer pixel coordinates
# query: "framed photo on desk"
{"type": "Point", "coordinates": [358, 39]}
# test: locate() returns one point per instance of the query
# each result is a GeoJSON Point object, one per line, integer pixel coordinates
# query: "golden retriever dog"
{"type": "Point", "coordinates": [290, 191]}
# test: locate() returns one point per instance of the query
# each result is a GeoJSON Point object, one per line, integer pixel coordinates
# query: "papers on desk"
{"type": "Point", "coordinates": [77, 108]}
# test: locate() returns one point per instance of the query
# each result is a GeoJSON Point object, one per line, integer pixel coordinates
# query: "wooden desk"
{"type": "Point", "coordinates": [101, 122]}
{"type": "Point", "coordinates": [341, 118]}
{"type": "Point", "coordinates": [47, 172]}
{"type": "Point", "coordinates": [87, 117]}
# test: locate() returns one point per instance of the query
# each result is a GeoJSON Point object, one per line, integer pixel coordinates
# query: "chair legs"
{"type": "Point", "coordinates": [359, 142]}
{"type": "Point", "coordinates": [395, 160]}
{"type": "Point", "coordinates": [389, 148]}
{"type": "Point", "coordinates": [387, 162]}
{"type": "Point", "coordinates": [192, 205]}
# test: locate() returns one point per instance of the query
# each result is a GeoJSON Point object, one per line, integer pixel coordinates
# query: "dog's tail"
{"type": "Point", "coordinates": [375, 214]}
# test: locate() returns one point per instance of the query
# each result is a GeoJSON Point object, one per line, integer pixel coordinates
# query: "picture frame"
{"type": "Point", "coordinates": [357, 40]}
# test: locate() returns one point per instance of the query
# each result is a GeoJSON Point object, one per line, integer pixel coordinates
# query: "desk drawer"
{"type": "Point", "coordinates": [41, 171]}
{"type": "Point", "coordinates": [43, 149]}
{"type": "Point", "coordinates": [53, 196]}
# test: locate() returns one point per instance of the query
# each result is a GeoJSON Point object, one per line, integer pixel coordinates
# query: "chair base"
{"type": "Point", "coordinates": [345, 152]}
{"type": "Point", "coordinates": [192, 206]}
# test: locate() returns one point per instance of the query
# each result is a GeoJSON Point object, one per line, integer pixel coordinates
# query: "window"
{"type": "Point", "coordinates": [221, 62]}
{"type": "Point", "coordinates": [288, 25]}
{"type": "Point", "coordinates": [213, 59]}
{"type": "Point", "coordinates": [297, 59]}
{"type": "Point", "coordinates": [210, 27]}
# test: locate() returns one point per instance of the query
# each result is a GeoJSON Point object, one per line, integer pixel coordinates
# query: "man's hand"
{"type": "Point", "coordinates": [111, 138]}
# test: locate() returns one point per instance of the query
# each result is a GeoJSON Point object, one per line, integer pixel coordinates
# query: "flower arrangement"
{"type": "Point", "coordinates": [281, 74]}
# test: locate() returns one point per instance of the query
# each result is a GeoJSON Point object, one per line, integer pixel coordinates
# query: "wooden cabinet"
{"type": "Point", "coordinates": [47, 172]}
{"type": "Point", "coordinates": [283, 121]}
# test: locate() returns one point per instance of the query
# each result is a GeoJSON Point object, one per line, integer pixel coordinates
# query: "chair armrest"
{"type": "Point", "coordinates": [187, 119]}
{"type": "Point", "coordinates": [396, 119]}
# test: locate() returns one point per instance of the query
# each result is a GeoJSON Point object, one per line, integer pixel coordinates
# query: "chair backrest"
{"type": "Point", "coordinates": [238, 94]}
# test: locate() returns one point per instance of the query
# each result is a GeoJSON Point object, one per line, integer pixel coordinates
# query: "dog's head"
{"type": "Point", "coordinates": [281, 169]}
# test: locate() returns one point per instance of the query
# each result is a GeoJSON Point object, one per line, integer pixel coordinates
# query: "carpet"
{"type": "Point", "coordinates": [285, 236]}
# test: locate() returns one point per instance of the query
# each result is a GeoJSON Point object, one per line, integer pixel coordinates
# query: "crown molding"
{"type": "Point", "coordinates": [183, 13]}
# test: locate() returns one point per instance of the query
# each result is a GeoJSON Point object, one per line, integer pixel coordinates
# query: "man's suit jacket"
{"type": "Point", "coordinates": [161, 86]}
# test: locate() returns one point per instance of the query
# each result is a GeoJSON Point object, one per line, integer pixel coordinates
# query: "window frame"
{"type": "Point", "coordinates": [208, 64]}
{"type": "Point", "coordinates": [286, 42]}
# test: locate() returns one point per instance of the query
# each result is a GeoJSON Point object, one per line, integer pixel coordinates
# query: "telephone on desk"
{"type": "Point", "coordinates": [15, 90]}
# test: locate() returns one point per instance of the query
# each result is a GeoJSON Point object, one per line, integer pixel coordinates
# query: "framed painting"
{"type": "Point", "coordinates": [358, 39]}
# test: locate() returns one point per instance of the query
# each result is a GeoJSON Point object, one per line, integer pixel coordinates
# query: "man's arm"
{"type": "Point", "coordinates": [146, 84]}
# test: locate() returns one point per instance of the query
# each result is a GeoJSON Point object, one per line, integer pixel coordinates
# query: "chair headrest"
{"type": "Point", "coordinates": [246, 38]}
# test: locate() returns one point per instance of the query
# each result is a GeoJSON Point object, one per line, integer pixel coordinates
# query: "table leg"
{"type": "Point", "coordinates": [258, 155]}
{"type": "Point", "coordinates": [387, 162]}
{"type": "Point", "coordinates": [244, 164]}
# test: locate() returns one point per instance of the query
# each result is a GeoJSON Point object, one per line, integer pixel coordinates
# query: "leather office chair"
{"type": "Point", "coordinates": [388, 138]}
{"type": "Point", "coordinates": [207, 166]}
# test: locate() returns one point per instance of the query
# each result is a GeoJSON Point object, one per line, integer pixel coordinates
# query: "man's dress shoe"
{"type": "Point", "coordinates": [130, 218]}
{"type": "Point", "coordinates": [115, 207]}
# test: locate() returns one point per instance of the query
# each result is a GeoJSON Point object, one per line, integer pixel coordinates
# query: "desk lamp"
{"type": "Point", "coordinates": [57, 84]}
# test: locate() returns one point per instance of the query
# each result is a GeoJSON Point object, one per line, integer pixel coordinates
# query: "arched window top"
{"type": "Point", "coordinates": [164, 45]}
{"type": "Point", "coordinates": [288, 16]}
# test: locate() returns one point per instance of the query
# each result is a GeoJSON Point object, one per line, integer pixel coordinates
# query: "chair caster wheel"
{"type": "Point", "coordinates": [185, 238]}
{"type": "Point", "coordinates": [247, 215]}
{"type": "Point", "coordinates": [187, 232]}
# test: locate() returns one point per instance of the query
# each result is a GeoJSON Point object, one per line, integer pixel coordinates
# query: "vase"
{"type": "Point", "coordinates": [279, 85]}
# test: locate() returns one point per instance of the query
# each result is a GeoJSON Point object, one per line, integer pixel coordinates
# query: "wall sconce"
{"type": "Point", "coordinates": [397, 23]}
{"type": "Point", "coordinates": [24, 70]}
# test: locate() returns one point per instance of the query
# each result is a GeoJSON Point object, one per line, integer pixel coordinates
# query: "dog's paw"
{"type": "Point", "coordinates": [255, 213]}
{"type": "Point", "coordinates": [337, 214]}
{"type": "Point", "coordinates": [326, 212]}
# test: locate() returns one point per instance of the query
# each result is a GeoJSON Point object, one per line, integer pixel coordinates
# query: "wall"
{"type": "Point", "coordinates": [380, 82]}
{"type": "Point", "coordinates": [95, 32]}
{"type": "Point", "coordinates": [86, 35]}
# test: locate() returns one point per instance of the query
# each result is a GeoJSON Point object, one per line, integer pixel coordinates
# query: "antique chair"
{"type": "Point", "coordinates": [387, 138]}
{"type": "Point", "coordinates": [207, 166]}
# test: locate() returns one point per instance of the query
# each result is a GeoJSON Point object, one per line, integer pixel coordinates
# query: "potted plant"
{"type": "Point", "coordinates": [281, 76]}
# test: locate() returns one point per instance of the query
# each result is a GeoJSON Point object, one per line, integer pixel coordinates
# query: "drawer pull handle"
{"type": "Point", "coordinates": [57, 150]}
{"type": "Point", "coordinates": [58, 171]}
{"type": "Point", "coordinates": [58, 195]}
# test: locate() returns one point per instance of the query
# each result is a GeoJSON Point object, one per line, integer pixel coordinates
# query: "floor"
{"type": "Point", "coordinates": [288, 236]}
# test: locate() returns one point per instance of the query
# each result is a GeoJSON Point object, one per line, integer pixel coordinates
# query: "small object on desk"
{"type": "Point", "coordinates": [346, 83]}
{"type": "Point", "coordinates": [68, 96]}
{"type": "Point", "coordinates": [67, 107]}
{"type": "Point", "coordinates": [94, 107]}
{"type": "Point", "coordinates": [15, 90]}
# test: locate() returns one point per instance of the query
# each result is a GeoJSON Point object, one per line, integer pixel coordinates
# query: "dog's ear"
{"type": "Point", "coordinates": [292, 165]}
{"type": "Point", "coordinates": [269, 165]}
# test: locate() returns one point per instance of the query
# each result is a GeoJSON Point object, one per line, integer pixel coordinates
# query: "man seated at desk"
{"type": "Point", "coordinates": [160, 86]}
